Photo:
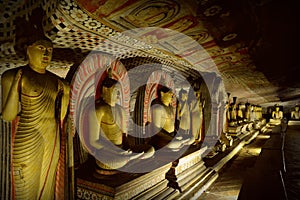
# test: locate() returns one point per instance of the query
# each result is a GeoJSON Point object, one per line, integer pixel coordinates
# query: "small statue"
{"type": "Point", "coordinates": [183, 113]}
{"type": "Point", "coordinates": [259, 113]}
{"type": "Point", "coordinates": [232, 115]}
{"type": "Point", "coordinates": [43, 97]}
{"type": "Point", "coordinates": [108, 132]}
{"type": "Point", "coordinates": [247, 112]}
{"type": "Point", "coordinates": [163, 122]}
{"type": "Point", "coordinates": [295, 114]}
{"type": "Point", "coordinates": [277, 113]}
{"type": "Point", "coordinates": [197, 116]}
{"type": "Point", "coordinates": [240, 115]}
{"type": "Point", "coordinates": [253, 113]}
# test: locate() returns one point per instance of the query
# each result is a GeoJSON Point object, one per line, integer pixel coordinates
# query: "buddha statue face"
{"type": "Point", "coordinates": [167, 97]}
{"type": "Point", "coordinates": [277, 108]}
{"type": "Point", "coordinates": [111, 93]}
{"type": "Point", "coordinates": [197, 94]}
{"type": "Point", "coordinates": [297, 108]}
{"type": "Point", "coordinates": [39, 55]}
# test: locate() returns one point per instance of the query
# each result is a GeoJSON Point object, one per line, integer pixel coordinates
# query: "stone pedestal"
{"type": "Point", "coordinates": [122, 185]}
{"type": "Point", "coordinates": [275, 121]}
{"type": "Point", "coordinates": [258, 124]}
{"type": "Point", "coordinates": [184, 171]}
{"type": "Point", "coordinates": [294, 122]}
{"type": "Point", "coordinates": [235, 130]}
{"type": "Point", "coordinates": [188, 176]}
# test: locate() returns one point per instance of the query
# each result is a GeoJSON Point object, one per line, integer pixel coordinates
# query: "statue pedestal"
{"type": "Point", "coordinates": [293, 122]}
{"type": "Point", "coordinates": [121, 185]}
{"type": "Point", "coordinates": [275, 121]}
{"type": "Point", "coordinates": [235, 130]}
{"type": "Point", "coordinates": [186, 169]}
{"type": "Point", "coordinates": [186, 173]}
{"type": "Point", "coordinates": [258, 124]}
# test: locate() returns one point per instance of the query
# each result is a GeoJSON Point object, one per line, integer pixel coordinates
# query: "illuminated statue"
{"type": "Point", "coordinates": [277, 113]}
{"type": "Point", "coordinates": [107, 129]}
{"type": "Point", "coordinates": [247, 112]}
{"type": "Point", "coordinates": [295, 114]}
{"type": "Point", "coordinates": [240, 115]}
{"type": "Point", "coordinates": [232, 111]}
{"type": "Point", "coordinates": [197, 117]}
{"type": "Point", "coordinates": [258, 112]}
{"type": "Point", "coordinates": [163, 122]}
{"type": "Point", "coordinates": [183, 113]}
{"type": "Point", "coordinates": [252, 113]}
{"type": "Point", "coordinates": [43, 100]}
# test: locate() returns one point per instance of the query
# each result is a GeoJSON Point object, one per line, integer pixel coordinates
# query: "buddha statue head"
{"type": "Point", "coordinates": [297, 108]}
{"type": "Point", "coordinates": [165, 95]}
{"type": "Point", "coordinates": [110, 91]}
{"type": "Point", "coordinates": [277, 108]}
{"type": "Point", "coordinates": [183, 95]}
{"type": "Point", "coordinates": [39, 55]}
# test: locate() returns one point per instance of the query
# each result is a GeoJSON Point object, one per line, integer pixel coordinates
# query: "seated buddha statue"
{"type": "Point", "coordinates": [277, 114]}
{"type": "Point", "coordinates": [108, 132]}
{"type": "Point", "coordinates": [295, 114]}
{"type": "Point", "coordinates": [163, 122]}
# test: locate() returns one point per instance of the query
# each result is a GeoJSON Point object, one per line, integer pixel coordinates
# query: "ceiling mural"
{"type": "Point", "coordinates": [228, 34]}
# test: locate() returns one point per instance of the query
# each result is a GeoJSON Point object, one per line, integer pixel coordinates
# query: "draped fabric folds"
{"type": "Point", "coordinates": [39, 148]}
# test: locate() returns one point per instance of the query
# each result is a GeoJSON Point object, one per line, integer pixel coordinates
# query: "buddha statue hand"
{"type": "Point", "coordinates": [17, 79]}
{"type": "Point", "coordinates": [133, 156]}
{"type": "Point", "coordinates": [10, 104]}
{"type": "Point", "coordinates": [149, 153]}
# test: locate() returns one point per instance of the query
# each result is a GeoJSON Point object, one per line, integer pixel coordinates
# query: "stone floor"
{"type": "Point", "coordinates": [234, 173]}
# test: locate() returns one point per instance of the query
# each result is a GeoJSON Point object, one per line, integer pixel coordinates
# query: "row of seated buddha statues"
{"type": "Point", "coordinates": [238, 114]}
{"type": "Point", "coordinates": [37, 102]}
{"type": "Point", "coordinates": [172, 127]}
{"type": "Point", "coordinates": [277, 115]}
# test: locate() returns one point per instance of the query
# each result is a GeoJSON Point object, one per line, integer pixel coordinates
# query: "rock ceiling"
{"type": "Point", "coordinates": [252, 45]}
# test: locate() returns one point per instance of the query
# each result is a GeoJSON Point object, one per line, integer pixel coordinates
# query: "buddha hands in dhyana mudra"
{"type": "Point", "coordinates": [108, 128]}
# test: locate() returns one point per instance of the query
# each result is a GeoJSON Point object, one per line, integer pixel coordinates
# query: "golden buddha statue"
{"type": "Point", "coordinates": [295, 114]}
{"type": "Point", "coordinates": [107, 130]}
{"type": "Point", "coordinates": [197, 118]}
{"type": "Point", "coordinates": [253, 113]}
{"type": "Point", "coordinates": [232, 115]}
{"type": "Point", "coordinates": [240, 114]}
{"type": "Point", "coordinates": [183, 113]}
{"type": "Point", "coordinates": [247, 112]}
{"type": "Point", "coordinates": [43, 100]}
{"type": "Point", "coordinates": [163, 122]}
{"type": "Point", "coordinates": [277, 114]}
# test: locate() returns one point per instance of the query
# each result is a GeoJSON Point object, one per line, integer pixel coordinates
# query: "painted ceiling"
{"type": "Point", "coordinates": [252, 45]}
